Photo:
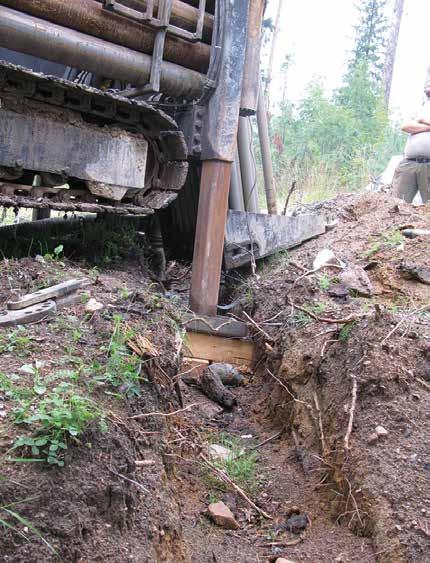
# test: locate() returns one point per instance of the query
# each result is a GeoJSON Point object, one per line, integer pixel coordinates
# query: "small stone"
{"type": "Point", "coordinates": [218, 452]}
{"type": "Point", "coordinates": [381, 431]}
{"type": "Point", "coordinates": [92, 306]}
{"type": "Point", "coordinates": [282, 560]}
{"type": "Point", "coordinates": [357, 281]}
{"type": "Point", "coordinates": [222, 516]}
{"type": "Point", "coordinates": [373, 438]}
{"type": "Point", "coordinates": [296, 523]}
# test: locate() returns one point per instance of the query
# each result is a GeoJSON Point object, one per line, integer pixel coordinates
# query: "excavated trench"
{"type": "Point", "coordinates": [333, 417]}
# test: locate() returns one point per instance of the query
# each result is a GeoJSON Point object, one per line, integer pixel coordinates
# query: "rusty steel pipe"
{"type": "Point", "coordinates": [266, 154]}
{"type": "Point", "coordinates": [52, 42]}
{"type": "Point", "coordinates": [88, 16]}
{"type": "Point", "coordinates": [183, 15]}
{"type": "Point", "coordinates": [209, 240]}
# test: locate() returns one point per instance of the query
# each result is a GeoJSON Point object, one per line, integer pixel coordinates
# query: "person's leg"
{"type": "Point", "coordinates": [423, 178]}
{"type": "Point", "coordinates": [405, 184]}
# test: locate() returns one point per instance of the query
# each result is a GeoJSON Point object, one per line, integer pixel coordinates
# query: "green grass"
{"type": "Point", "coordinates": [390, 239]}
{"type": "Point", "coordinates": [345, 332]}
{"type": "Point", "coordinates": [302, 318]}
{"type": "Point", "coordinates": [240, 466]}
{"type": "Point", "coordinates": [12, 520]}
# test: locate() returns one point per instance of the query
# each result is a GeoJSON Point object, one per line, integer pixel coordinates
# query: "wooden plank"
{"type": "Point", "coordinates": [219, 349]}
{"type": "Point", "coordinates": [218, 326]}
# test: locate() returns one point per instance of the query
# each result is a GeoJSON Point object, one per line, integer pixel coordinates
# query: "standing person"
{"type": "Point", "coordinates": [413, 172]}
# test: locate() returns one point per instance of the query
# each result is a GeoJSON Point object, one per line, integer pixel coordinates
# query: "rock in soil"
{"type": "Point", "coordinates": [222, 516]}
{"type": "Point", "coordinates": [381, 431]}
{"type": "Point", "coordinates": [213, 387]}
{"type": "Point", "coordinates": [282, 560]}
{"type": "Point", "coordinates": [93, 305]}
{"type": "Point", "coordinates": [218, 452]}
{"type": "Point", "coordinates": [296, 523]}
{"type": "Point", "coordinates": [228, 374]}
{"type": "Point", "coordinates": [357, 281]}
{"type": "Point", "coordinates": [415, 272]}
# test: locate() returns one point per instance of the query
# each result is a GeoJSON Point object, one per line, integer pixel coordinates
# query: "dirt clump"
{"type": "Point", "coordinates": [72, 382]}
{"type": "Point", "coordinates": [347, 375]}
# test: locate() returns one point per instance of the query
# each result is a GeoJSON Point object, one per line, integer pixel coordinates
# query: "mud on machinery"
{"type": "Point", "coordinates": [137, 107]}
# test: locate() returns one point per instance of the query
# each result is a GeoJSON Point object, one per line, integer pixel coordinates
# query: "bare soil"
{"type": "Point", "coordinates": [365, 500]}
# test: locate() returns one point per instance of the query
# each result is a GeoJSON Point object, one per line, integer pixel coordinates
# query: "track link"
{"type": "Point", "coordinates": [109, 108]}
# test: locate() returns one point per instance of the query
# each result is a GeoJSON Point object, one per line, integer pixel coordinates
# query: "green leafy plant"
{"type": "Point", "coordinates": [56, 254]}
{"type": "Point", "coordinates": [54, 420]}
{"type": "Point", "coordinates": [122, 369]}
{"type": "Point", "coordinates": [390, 239]}
{"type": "Point", "coordinates": [324, 282]}
{"type": "Point", "coordinates": [124, 293]}
{"type": "Point", "coordinates": [17, 341]}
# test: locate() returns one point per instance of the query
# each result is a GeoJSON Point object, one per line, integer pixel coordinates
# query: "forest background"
{"type": "Point", "coordinates": [339, 141]}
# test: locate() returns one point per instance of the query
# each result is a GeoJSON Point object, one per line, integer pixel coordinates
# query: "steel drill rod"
{"type": "Point", "coordinates": [183, 15]}
{"type": "Point", "coordinates": [37, 37]}
{"type": "Point", "coordinates": [209, 240]}
{"type": "Point", "coordinates": [247, 166]}
{"type": "Point", "coordinates": [88, 16]}
{"type": "Point", "coordinates": [266, 155]}
{"type": "Point", "coordinates": [235, 197]}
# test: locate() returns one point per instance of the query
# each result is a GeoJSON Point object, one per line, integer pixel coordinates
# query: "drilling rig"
{"type": "Point", "coordinates": [141, 107]}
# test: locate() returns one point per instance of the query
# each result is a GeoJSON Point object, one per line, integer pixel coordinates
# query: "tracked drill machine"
{"type": "Point", "coordinates": [123, 107]}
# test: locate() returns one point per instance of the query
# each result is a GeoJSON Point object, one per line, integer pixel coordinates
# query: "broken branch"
{"type": "Point", "coordinates": [345, 320]}
{"type": "Point", "coordinates": [145, 414]}
{"type": "Point", "coordinates": [351, 411]}
{"type": "Point", "coordinates": [226, 479]}
{"type": "Point", "coordinates": [256, 326]}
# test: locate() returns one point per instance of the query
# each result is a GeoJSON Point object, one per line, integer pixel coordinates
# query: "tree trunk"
{"type": "Point", "coordinates": [390, 55]}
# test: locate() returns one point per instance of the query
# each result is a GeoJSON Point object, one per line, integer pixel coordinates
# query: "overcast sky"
{"type": "Point", "coordinates": [319, 34]}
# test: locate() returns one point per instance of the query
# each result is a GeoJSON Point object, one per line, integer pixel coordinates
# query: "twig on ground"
{"type": "Point", "coordinates": [307, 405]}
{"type": "Point", "coordinates": [297, 265]}
{"type": "Point", "coordinates": [351, 411]}
{"type": "Point", "coordinates": [145, 414]}
{"type": "Point", "coordinates": [424, 383]}
{"type": "Point", "coordinates": [256, 326]}
{"type": "Point", "coordinates": [226, 479]}
{"type": "Point", "coordinates": [266, 441]}
{"type": "Point", "coordinates": [282, 543]}
{"type": "Point", "coordinates": [320, 425]}
{"type": "Point", "coordinates": [310, 272]}
{"type": "Point", "coordinates": [130, 480]}
{"type": "Point", "coordinates": [350, 495]}
{"type": "Point", "coordinates": [324, 346]}
{"type": "Point", "coordinates": [345, 320]}
{"type": "Point", "coordinates": [205, 322]}
{"type": "Point", "coordinates": [404, 319]}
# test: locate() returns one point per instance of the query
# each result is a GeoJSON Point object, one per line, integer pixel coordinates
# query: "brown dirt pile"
{"type": "Point", "coordinates": [112, 500]}
{"type": "Point", "coordinates": [354, 396]}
